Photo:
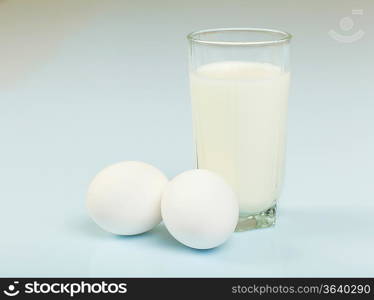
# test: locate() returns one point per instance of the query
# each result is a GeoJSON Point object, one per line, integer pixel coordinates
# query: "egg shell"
{"type": "Point", "coordinates": [124, 198]}
{"type": "Point", "coordinates": [199, 209]}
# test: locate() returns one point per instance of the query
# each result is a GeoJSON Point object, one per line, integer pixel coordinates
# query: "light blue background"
{"type": "Point", "coordinates": [87, 83]}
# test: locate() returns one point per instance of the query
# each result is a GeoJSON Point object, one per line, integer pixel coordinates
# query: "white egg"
{"type": "Point", "coordinates": [124, 198]}
{"type": "Point", "coordinates": [199, 209]}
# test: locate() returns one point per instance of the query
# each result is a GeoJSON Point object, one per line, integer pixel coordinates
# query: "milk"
{"type": "Point", "coordinates": [239, 115]}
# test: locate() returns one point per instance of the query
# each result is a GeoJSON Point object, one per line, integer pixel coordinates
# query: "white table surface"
{"type": "Point", "coordinates": [84, 84]}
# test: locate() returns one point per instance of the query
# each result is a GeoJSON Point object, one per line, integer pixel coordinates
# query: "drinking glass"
{"type": "Point", "coordinates": [239, 79]}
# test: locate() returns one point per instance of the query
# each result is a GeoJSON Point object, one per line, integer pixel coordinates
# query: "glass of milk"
{"type": "Point", "coordinates": [239, 88]}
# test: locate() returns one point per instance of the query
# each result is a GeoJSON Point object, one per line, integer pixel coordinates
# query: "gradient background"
{"type": "Point", "coordinates": [86, 83]}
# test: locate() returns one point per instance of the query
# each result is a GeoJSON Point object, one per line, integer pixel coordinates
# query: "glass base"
{"type": "Point", "coordinates": [261, 220]}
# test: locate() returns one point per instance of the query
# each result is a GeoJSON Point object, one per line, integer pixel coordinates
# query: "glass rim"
{"type": "Point", "coordinates": [284, 37]}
